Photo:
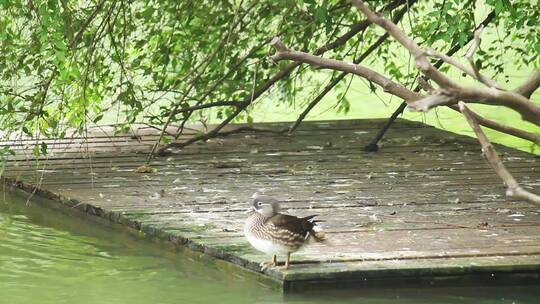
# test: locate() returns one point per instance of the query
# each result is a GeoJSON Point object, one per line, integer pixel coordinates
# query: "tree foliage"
{"type": "Point", "coordinates": [71, 63]}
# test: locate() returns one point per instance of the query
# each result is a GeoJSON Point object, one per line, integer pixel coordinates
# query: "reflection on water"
{"type": "Point", "coordinates": [48, 257]}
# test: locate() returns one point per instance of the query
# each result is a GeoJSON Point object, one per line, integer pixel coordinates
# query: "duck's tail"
{"type": "Point", "coordinates": [316, 232]}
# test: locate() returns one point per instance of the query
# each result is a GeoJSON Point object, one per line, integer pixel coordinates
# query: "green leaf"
{"type": "Point", "coordinates": [35, 150]}
{"type": "Point", "coordinates": [508, 5]}
{"type": "Point", "coordinates": [43, 148]}
{"type": "Point", "coordinates": [26, 131]}
{"type": "Point", "coordinates": [98, 118]}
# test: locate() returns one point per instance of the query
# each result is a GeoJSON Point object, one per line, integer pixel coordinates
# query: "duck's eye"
{"type": "Point", "coordinates": [259, 204]}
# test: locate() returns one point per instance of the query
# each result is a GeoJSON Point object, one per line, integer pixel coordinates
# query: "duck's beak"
{"type": "Point", "coordinates": [250, 209]}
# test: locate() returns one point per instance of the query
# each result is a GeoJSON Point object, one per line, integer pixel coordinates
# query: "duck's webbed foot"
{"type": "Point", "coordinates": [273, 263]}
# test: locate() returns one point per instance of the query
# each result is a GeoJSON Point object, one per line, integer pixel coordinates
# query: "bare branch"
{"type": "Point", "coordinates": [535, 138]}
{"type": "Point", "coordinates": [491, 96]}
{"type": "Point", "coordinates": [424, 85]}
{"type": "Point", "coordinates": [332, 84]}
{"type": "Point", "coordinates": [531, 85]}
{"type": "Point", "coordinates": [441, 98]}
{"type": "Point", "coordinates": [513, 189]}
{"type": "Point", "coordinates": [210, 105]}
{"type": "Point", "coordinates": [282, 52]}
{"type": "Point", "coordinates": [372, 146]}
{"type": "Point", "coordinates": [476, 43]}
{"type": "Point", "coordinates": [471, 72]}
{"type": "Point", "coordinates": [251, 129]}
{"type": "Point", "coordinates": [437, 98]}
{"type": "Point", "coordinates": [213, 133]}
{"type": "Point", "coordinates": [470, 57]}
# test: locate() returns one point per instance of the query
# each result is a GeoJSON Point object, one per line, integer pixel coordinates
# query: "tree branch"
{"type": "Point", "coordinates": [332, 84]}
{"type": "Point", "coordinates": [213, 133]}
{"type": "Point", "coordinates": [266, 85]}
{"type": "Point", "coordinates": [531, 85]}
{"type": "Point", "coordinates": [435, 99]}
{"type": "Point", "coordinates": [491, 96]}
{"type": "Point", "coordinates": [534, 138]}
{"type": "Point", "coordinates": [420, 57]}
{"type": "Point", "coordinates": [249, 129]}
{"type": "Point", "coordinates": [282, 52]}
{"type": "Point", "coordinates": [473, 72]}
{"type": "Point", "coordinates": [85, 24]}
{"type": "Point", "coordinates": [513, 190]}
{"type": "Point", "coordinates": [209, 105]}
{"type": "Point", "coordinates": [470, 57]}
{"type": "Point", "coordinates": [397, 17]}
{"type": "Point", "coordinates": [372, 146]}
{"type": "Point", "coordinates": [414, 99]}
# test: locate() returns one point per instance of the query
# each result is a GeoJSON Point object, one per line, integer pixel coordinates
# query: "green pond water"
{"type": "Point", "coordinates": [48, 256]}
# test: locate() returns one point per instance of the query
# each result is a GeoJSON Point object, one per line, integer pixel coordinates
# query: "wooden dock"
{"type": "Point", "coordinates": [426, 208]}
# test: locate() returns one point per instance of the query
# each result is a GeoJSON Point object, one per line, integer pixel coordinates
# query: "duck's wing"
{"type": "Point", "coordinates": [300, 226]}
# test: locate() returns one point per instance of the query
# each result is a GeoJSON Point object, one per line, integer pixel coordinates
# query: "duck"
{"type": "Point", "coordinates": [275, 233]}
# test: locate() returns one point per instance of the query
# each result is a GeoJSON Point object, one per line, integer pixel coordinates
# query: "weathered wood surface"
{"type": "Point", "coordinates": [426, 205]}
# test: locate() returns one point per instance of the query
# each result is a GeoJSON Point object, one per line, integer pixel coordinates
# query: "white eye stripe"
{"type": "Point", "coordinates": [259, 203]}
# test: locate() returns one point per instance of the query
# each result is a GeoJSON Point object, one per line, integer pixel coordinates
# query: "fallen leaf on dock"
{"type": "Point", "coordinates": [146, 169]}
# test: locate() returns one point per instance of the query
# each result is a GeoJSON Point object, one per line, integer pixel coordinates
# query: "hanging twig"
{"type": "Point", "coordinates": [513, 189]}
{"type": "Point", "coordinates": [194, 81]}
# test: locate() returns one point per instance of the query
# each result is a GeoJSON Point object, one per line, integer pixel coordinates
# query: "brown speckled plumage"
{"type": "Point", "coordinates": [275, 233]}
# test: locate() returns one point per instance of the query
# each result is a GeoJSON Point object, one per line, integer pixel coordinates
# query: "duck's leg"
{"type": "Point", "coordinates": [288, 260]}
{"type": "Point", "coordinates": [271, 264]}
